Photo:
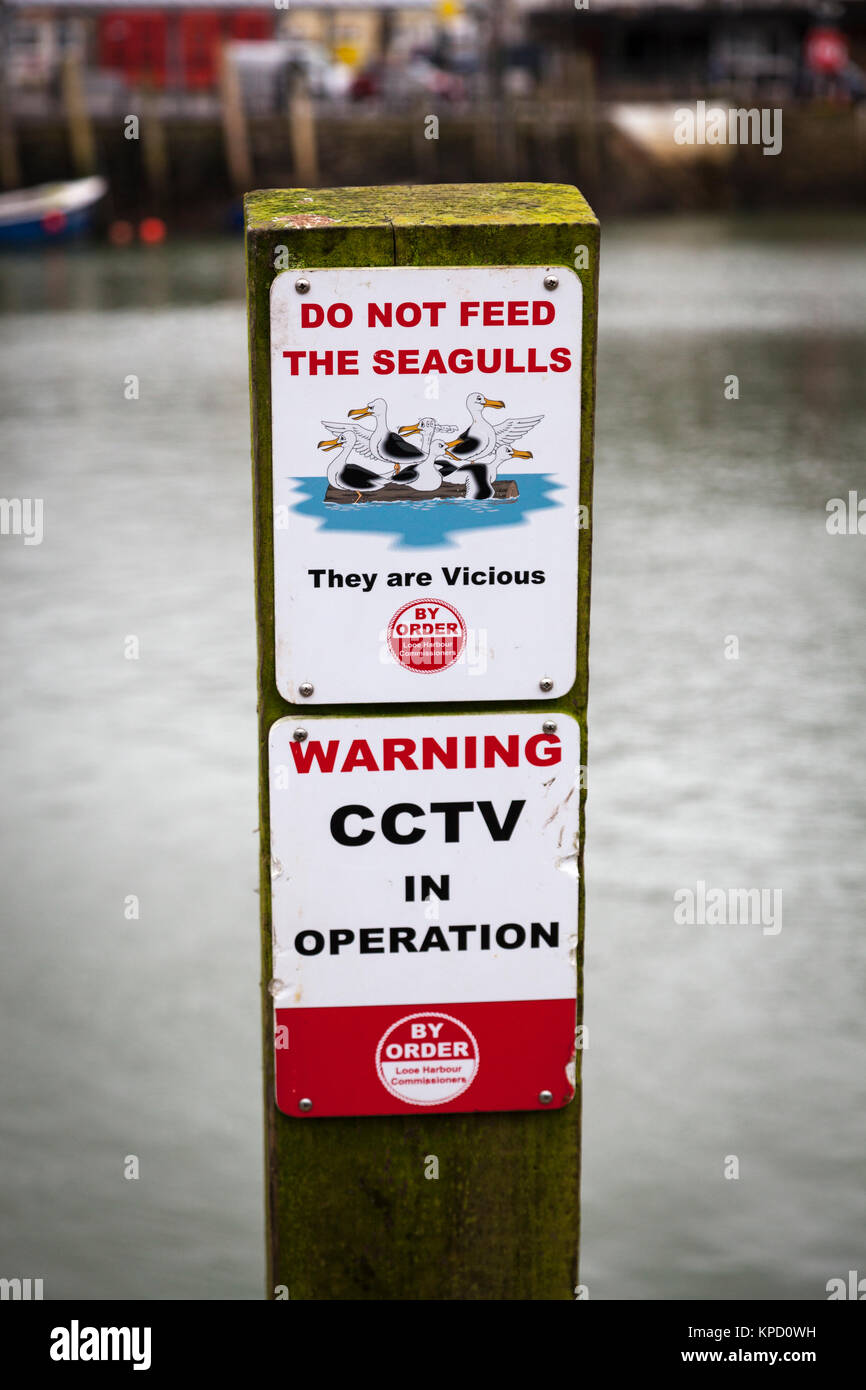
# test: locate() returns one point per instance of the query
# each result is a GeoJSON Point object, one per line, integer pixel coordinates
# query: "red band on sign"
{"type": "Point", "coordinates": [426, 635]}
{"type": "Point", "coordinates": [393, 1060]}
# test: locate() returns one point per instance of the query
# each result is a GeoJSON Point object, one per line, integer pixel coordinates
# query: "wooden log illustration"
{"type": "Point", "coordinates": [504, 490]}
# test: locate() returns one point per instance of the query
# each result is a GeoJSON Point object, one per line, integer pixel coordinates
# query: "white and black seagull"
{"type": "Point", "coordinates": [481, 437]}
{"type": "Point", "coordinates": [481, 473]}
{"type": "Point", "coordinates": [480, 434]}
{"type": "Point", "coordinates": [384, 443]}
{"type": "Point", "coordinates": [353, 477]}
{"type": "Point", "coordinates": [423, 475]}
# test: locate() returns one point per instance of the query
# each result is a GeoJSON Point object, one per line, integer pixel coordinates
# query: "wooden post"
{"type": "Point", "coordinates": [78, 119]}
{"type": "Point", "coordinates": [154, 149]}
{"type": "Point", "coordinates": [349, 1212]}
{"type": "Point", "coordinates": [10, 164]}
{"type": "Point", "coordinates": [485, 142]}
{"type": "Point", "coordinates": [234, 123]}
{"type": "Point", "coordinates": [302, 133]}
{"type": "Point", "coordinates": [425, 140]}
{"type": "Point", "coordinates": [586, 114]}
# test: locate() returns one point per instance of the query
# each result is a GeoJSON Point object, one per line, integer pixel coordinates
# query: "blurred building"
{"type": "Point", "coordinates": [175, 43]}
{"type": "Point", "coordinates": [232, 94]}
{"type": "Point", "coordinates": [644, 49]}
{"type": "Point", "coordinates": [637, 48]}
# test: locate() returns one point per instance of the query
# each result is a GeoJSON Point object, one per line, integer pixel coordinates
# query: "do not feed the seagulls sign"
{"type": "Point", "coordinates": [426, 428]}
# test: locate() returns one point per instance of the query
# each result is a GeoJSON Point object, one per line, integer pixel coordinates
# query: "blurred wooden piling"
{"type": "Point", "coordinates": [302, 135]}
{"type": "Point", "coordinates": [234, 122]}
{"type": "Point", "coordinates": [485, 144]}
{"type": "Point", "coordinates": [10, 165]}
{"type": "Point", "coordinates": [425, 141]}
{"type": "Point", "coordinates": [583, 89]}
{"type": "Point", "coordinates": [78, 123]}
{"type": "Point", "coordinates": [154, 149]}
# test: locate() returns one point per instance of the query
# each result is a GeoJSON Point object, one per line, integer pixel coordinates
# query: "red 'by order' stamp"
{"type": "Point", "coordinates": [426, 635]}
{"type": "Point", "coordinates": [427, 1058]}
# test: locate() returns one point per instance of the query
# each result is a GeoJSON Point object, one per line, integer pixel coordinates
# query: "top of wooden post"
{"type": "Point", "coordinates": [520, 204]}
{"type": "Point", "coordinates": [425, 224]}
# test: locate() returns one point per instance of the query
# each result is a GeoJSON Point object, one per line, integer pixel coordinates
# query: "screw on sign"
{"type": "Point", "coordinates": [427, 1058]}
{"type": "Point", "coordinates": [426, 636]}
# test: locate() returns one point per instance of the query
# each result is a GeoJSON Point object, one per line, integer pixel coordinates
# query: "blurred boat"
{"type": "Point", "coordinates": [49, 212]}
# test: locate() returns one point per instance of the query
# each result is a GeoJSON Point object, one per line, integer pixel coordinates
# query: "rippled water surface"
{"type": "Point", "coordinates": [139, 1036]}
{"type": "Point", "coordinates": [428, 521]}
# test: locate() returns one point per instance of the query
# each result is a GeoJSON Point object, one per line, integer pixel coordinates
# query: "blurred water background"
{"type": "Point", "coordinates": [123, 777]}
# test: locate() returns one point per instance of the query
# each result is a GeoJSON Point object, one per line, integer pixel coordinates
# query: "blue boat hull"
{"type": "Point", "coordinates": [40, 230]}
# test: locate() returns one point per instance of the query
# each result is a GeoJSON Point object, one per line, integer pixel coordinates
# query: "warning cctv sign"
{"type": "Point", "coordinates": [424, 912]}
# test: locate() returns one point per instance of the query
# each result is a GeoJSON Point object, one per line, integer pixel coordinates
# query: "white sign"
{"type": "Point", "coordinates": [426, 438]}
{"type": "Point", "coordinates": [424, 912]}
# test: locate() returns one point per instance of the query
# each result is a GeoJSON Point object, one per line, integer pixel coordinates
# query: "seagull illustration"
{"type": "Point", "coordinates": [384, 443]}
{"type": "Point", "coordinates": [481, 437]}
{"type": "Point", "coordinates": [353, 477]}
{"type": "Point", "coordinates": [481, 473]}
{"type": "Point", "coordinates": [424, 476]}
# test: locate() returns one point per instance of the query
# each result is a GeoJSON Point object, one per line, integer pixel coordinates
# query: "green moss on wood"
{"type": "Point", "coordinates": [506, 204]}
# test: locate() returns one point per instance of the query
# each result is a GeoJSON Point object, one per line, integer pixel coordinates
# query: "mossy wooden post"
{"type": "Point", "coordinates": [349, 1213]}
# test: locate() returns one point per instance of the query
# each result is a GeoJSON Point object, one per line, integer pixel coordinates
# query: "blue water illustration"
{"type": "Point", "coordinates": [428, 521]}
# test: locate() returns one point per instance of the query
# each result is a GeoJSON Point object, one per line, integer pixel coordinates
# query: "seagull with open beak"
{"type": "Point", "coordinates": [384, 443]}
{"type": "Point", "coordinates": [353, 477]}
{"type": "Point", "coordinates": [478, 443]}
{"type": "Point", "coordinates": [479, 437]}
{"type": "Point", "coordinates": [480, 474]}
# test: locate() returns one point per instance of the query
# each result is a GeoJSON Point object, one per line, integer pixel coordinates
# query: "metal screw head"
{"type": "Point", "coordinates": [544, 1096]}
{"type": "Point", "coordinates": [299, 735]}
{"type": "Point", "coordinates": [306, 689]}
{"type": "Point", "coordinates": [305, 1104]}
{"type": "Point", "coordinates": [302, 285]}
{"type": "Point", "coordinates": [546, 683]}
{"type": "Point", "coordinates": [551, 281]}
{"type": "Point", "coordinates": [549, 726]}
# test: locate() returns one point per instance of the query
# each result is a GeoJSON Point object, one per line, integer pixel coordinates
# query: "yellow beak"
{"type": "Point", "coordinates": [328, 444]}
{"type": "Point", "coordinates": [359, 414]}
{"type": "Point", "coordinates": [493, 405]}
{"type": "Point", "coordinates": [521, 454]}
{"type": "Point", "coordinates": [410, 429]}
